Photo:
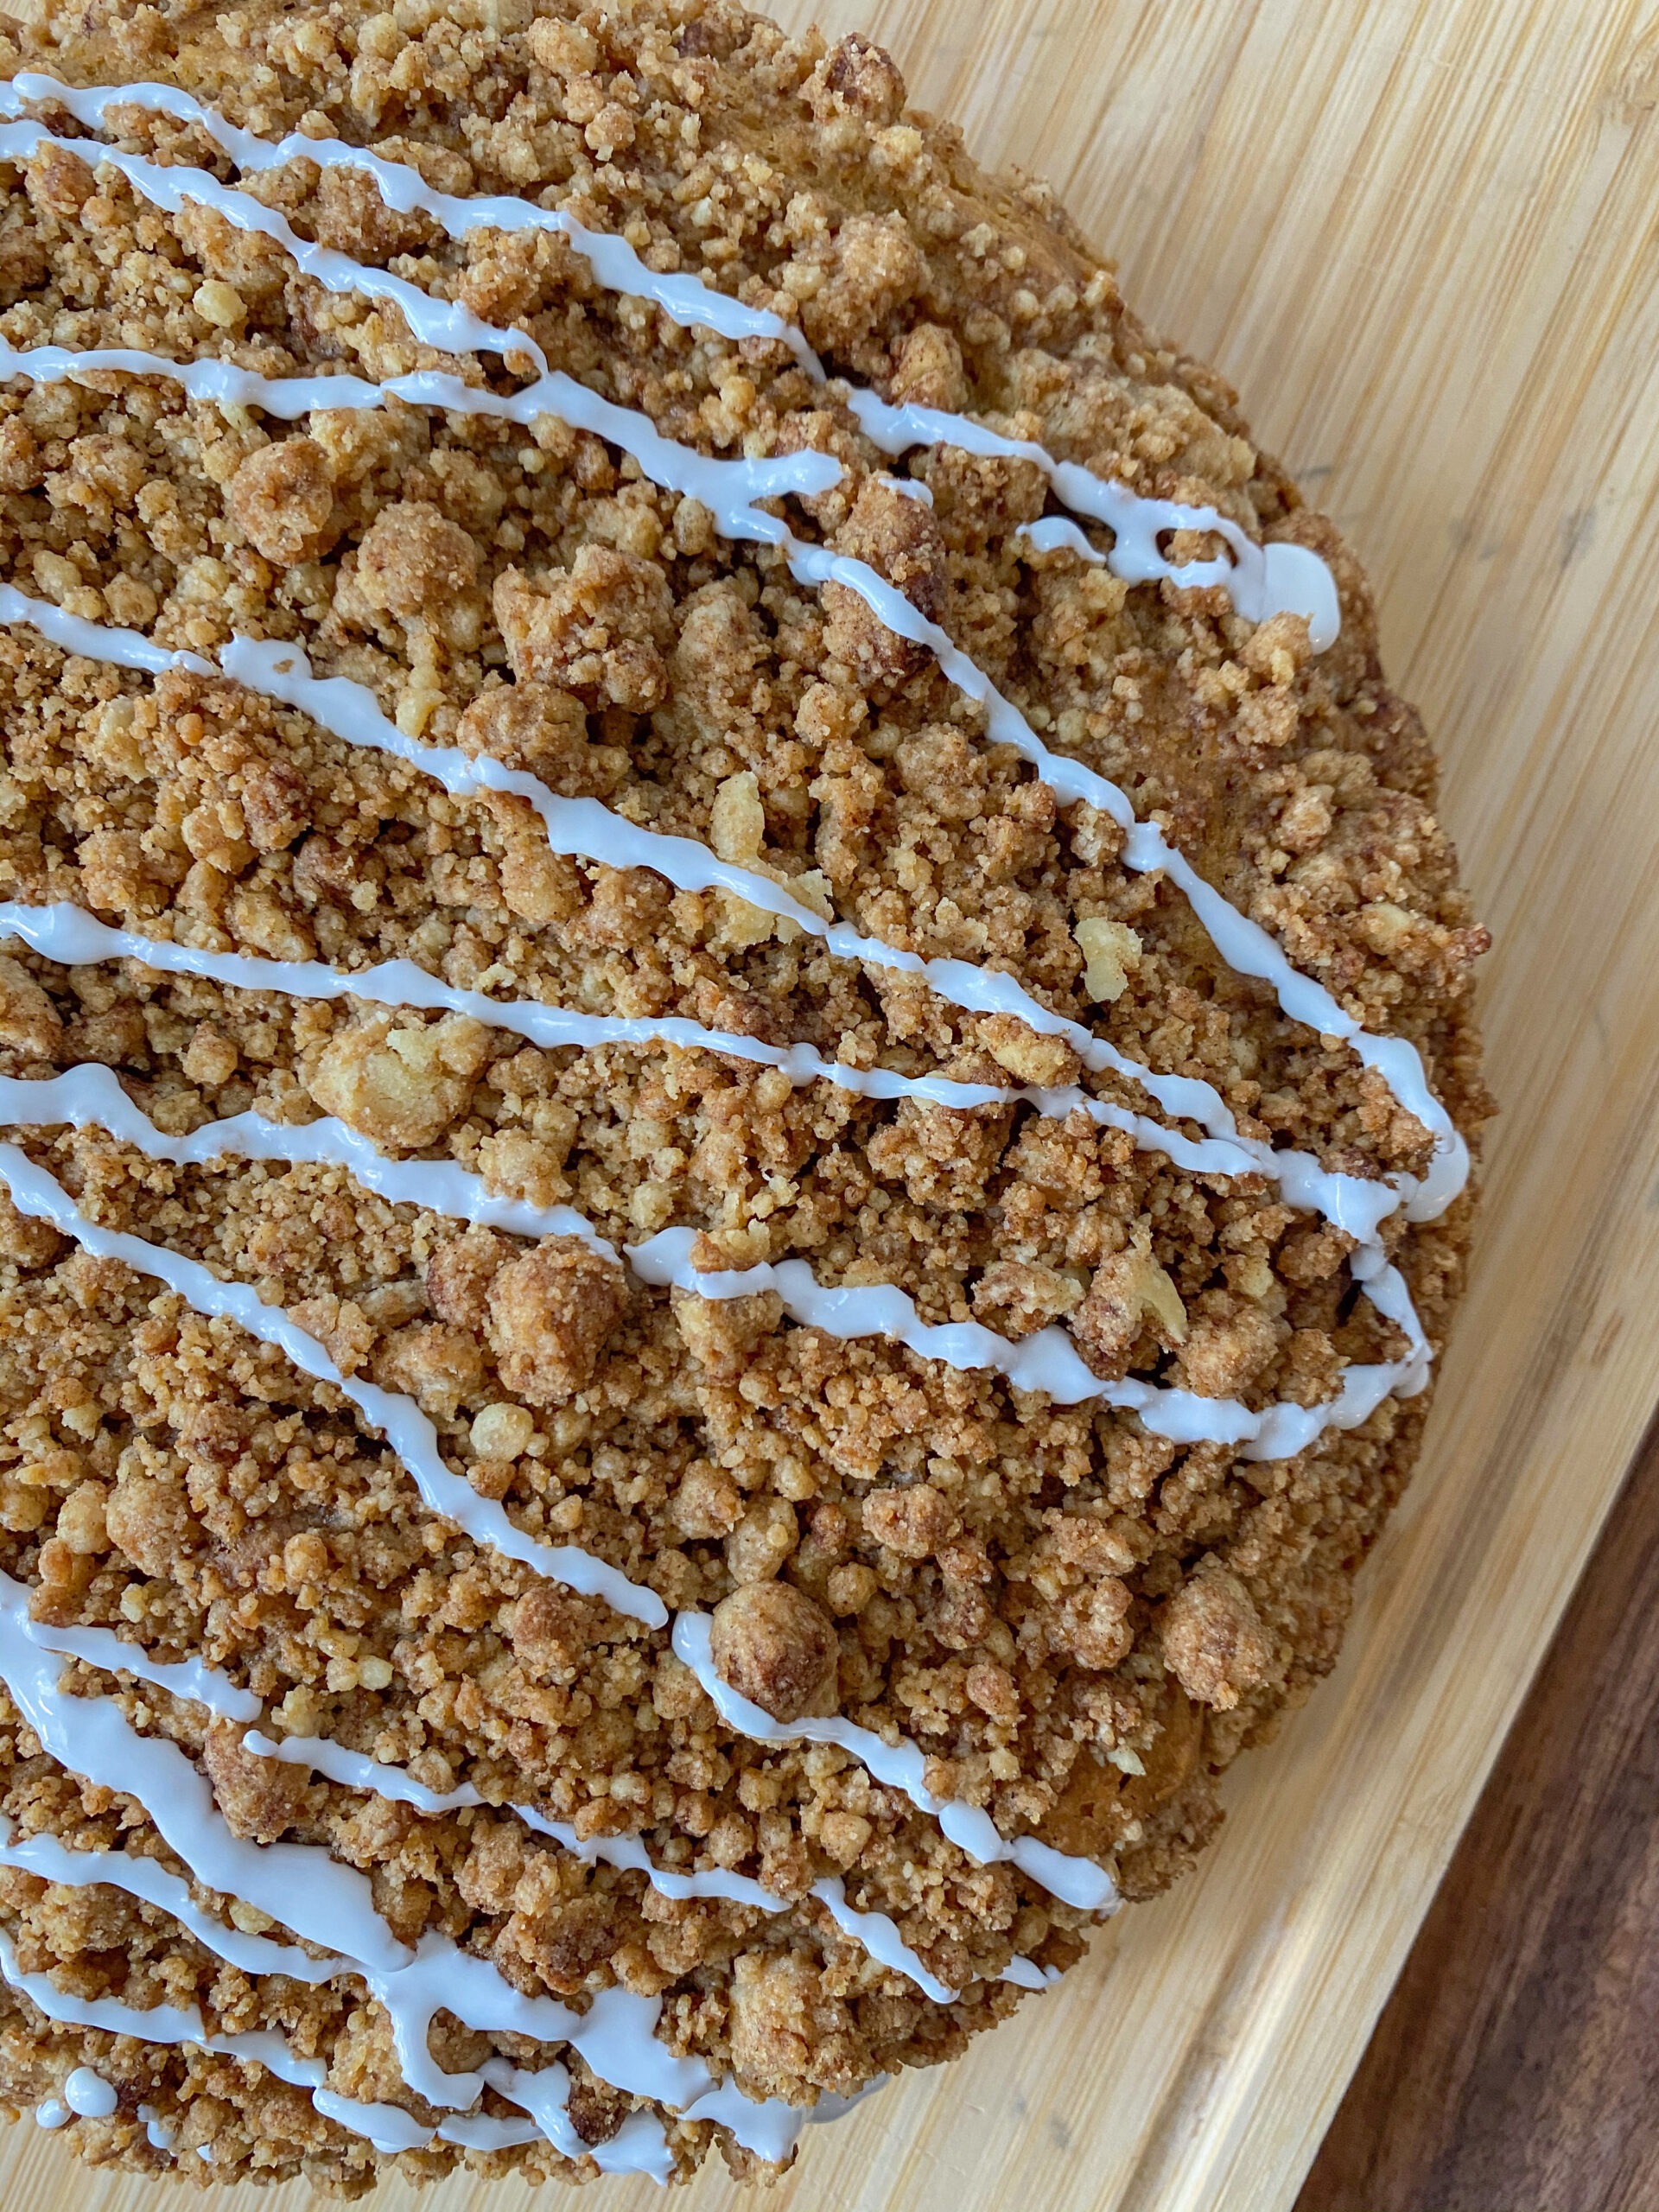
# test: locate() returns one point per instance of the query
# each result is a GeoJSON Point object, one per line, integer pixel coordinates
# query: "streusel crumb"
{"type": "Point", "coordinates": [1075, 1621]}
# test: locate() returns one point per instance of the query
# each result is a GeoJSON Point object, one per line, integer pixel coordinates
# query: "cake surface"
{"type": "Point", "coordinates": [736, 1060]}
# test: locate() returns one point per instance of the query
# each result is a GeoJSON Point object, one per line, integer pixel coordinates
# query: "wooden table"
{"type": "Point", "coordinates": [1419, 234]}
{"type": "Point", "coordinates": [1514, 2063]}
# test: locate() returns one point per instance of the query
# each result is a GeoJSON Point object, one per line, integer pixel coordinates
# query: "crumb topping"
{"type": "Point", "coordinates": [1079, 1622]}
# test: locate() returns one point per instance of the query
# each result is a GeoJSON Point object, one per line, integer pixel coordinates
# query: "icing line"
{"type": "Point", "coordinates": [729, 489]}
{"type": "Point", "coordinates": [70, 935]}
{"type": "Point", "coordinates": [586, 829]}
{"type": "Point", "coordinates": [685, 299]}
{"type": "Point", "coordinates": [399, 1419]}
{"type": "Point", "coordinates": [1075, 1881]}
{"type": "Point", "coordinates": [875, 1932]}
{"type": "Point", "coordinates": [443, 324]}
{"type": "Point", "coordinates": [1047, 1361]}
{"type": "Point", "coordinates": [1260, 580]}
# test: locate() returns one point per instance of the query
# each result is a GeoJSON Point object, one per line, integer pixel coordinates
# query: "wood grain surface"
{"type": "Point", "coordinates": [1419, 234]}
{"type": "Point", "coordinates": [1514, 2063]}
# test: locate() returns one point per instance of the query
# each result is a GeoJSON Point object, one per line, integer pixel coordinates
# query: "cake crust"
{"type": "Point", "coordinates": [591, 1269]}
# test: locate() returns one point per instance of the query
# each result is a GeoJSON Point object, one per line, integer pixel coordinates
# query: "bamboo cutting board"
{"type": "Point", "coordinates": [1420, 236]}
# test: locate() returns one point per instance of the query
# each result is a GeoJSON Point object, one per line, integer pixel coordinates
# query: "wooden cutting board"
{"type": "Point", "coordinates": [1420, 236]}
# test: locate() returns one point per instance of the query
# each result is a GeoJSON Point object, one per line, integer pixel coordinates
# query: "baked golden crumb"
{"type": "Point", "coordinates": [758, 769]}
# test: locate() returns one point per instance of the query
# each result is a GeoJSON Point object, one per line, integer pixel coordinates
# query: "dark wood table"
{"type": "Point", "coordinates": [1514, 2067]}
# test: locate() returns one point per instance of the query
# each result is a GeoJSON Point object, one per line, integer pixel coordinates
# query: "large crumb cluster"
{"type": "Point", "coordinates": [1079, 1623]}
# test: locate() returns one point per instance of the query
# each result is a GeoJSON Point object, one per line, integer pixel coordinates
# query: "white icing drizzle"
{"type": "Point", "coordinates": [69, 934]}
{"type": "Point", "coordinates": [639, 2147]}
{"type": "Point", "coordinates": [1025, 1974]}
{"type": "Point", "coordinates": [586, 829]}
{"type": "Point", "coordinates": [303, 1888]}
{"type": "Point", "coordinates": [902, 1766]}
{"type": "Point", "coordinates": [191, 1678]}
{"type": "Point", "coordinates": [479, 2131]}
{"type": "Point", "coordinates": [358, 1770]}
{"type": "Point", "coordinates": [861, 1311]}
{"type": "Point", "coordinates": [156, 1885]}
{"type": "Point", "coordinates": [878, 1933]}
{"type": "Point", "coordinates": [1049, 1361]}
{"type": "Point", "coordinates": [399, 1419]}
{"type": "Point", "coordinates": [446, 325]}
{"type": "Point", "coordinates": [771, 2129]}
{"type": "Point", "coordinates": [1137, 522]}
{"type": "Point", "coordinates": [91, 1097]}
{"type": "Point", "coordinates": [329, 1905]}
{"type": "Point", "coordinates": [729, 489]}
{"type": "Point", "coordinates": [89, 2094]}
{"type": "Point", "coordinates": [581, 827]}
{"type": "Point", "coordinates": [389, 2127]}
{"type": "Point", "coordinates": [1260, 580]}
{"type": "Point", "coordinates": [685, 300]}
{"type": "Point", "coordinates": [628, 1854]}
{"type": "Point", "coordinates": [154, 2024]}
{"type": "Point", "coordinates": [1076, 1881]}
{"type": "Point", "coordinates": [159, 2135]}
{"type": "Point", "coordinates": [308, 1892]}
